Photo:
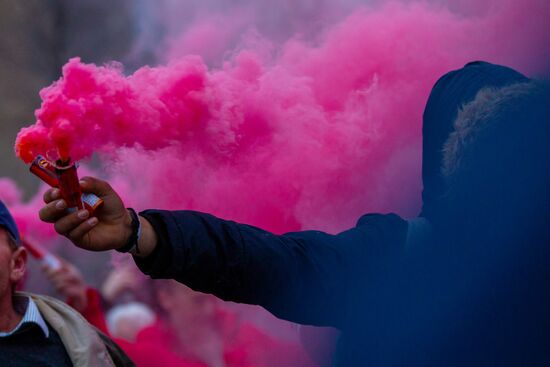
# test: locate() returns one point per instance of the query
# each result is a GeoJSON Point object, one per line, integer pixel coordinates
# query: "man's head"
{"type": "Point", "coordinates": [496, 164]}
{"type": "Point", "coordinates": [452, 91]}
{"type": "Point", "coordinates": [13, 257]}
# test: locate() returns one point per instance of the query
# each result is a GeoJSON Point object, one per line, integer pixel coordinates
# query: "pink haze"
{"type": "Point", "coordinates": [286, 137]}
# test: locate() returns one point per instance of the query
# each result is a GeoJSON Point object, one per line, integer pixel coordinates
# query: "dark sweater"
{"type": "Point", "coordinates": [30, 347]}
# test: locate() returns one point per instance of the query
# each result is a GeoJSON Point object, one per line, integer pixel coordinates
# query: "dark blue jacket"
{"type": "Point", "coordinates": [390, 301]}
{"type": "Point", "coordinates": [305, 277]}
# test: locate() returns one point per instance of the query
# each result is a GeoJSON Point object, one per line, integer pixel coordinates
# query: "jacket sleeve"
{"type": "Point", "coordinates": [303, 277]}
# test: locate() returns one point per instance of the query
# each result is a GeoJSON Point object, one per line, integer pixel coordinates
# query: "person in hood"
{"type": "Point", "coordinates": [452, 91]}
{"type": "Point", "coordinates": [38, 330]}
{"type": "Point", "coordinates": [346, 281]}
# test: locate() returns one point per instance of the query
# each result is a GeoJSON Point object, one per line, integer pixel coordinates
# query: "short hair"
{"type": "Point", "coordinates": [495, 163]}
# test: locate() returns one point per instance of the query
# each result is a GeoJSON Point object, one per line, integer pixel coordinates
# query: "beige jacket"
{"type": "Point", "coordinates": [84, 344]}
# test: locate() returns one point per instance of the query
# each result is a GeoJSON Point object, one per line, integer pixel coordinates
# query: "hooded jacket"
{"type": "Point", "coordinates": [452, 91]}
{"type": "Point", "coordinates": [354, 280]}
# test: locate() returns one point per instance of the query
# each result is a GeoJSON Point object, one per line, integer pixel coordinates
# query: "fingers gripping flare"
{"type": "Point", "coordinates": [79, 232]}
{"type": "Point", "coordinates": [66, 224]}
{"type": "Point", "coordinates": [103, 229]}
{"type": "Point", "coordinates": [52, 194]}
{"type": "Point", "coordinates": [55, 208]}
{"type": "Point", "coordinates": [53, 211]}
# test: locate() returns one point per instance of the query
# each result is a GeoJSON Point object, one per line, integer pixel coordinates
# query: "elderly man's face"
{"type": "Point", "coordinates": [12, 264]}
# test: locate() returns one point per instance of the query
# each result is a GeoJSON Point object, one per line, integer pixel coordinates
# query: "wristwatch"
{"type": "Point", "coordinates": [131, 246]}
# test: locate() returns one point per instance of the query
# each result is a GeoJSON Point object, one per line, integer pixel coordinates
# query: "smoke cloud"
{"type": "Point", "coordinates": [307, 131]}
{"type": "Point", "coordinates": [25, 213]}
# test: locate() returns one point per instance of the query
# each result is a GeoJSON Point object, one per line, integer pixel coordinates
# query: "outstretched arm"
{"type": "Point", "coordinates": [303, 277]}
{"type": "Point", "coordinates": [297, 276]}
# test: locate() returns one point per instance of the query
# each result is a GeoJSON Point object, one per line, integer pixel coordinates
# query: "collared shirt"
{"type": "Point", "coordinates": [31, 315]}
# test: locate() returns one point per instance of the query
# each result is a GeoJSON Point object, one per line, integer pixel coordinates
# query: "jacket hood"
{"type": "Point", "coordinates": [449, 94]}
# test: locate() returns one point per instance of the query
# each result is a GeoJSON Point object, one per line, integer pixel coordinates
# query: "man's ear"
{"type": "Point", "coordinates": [18, 265]}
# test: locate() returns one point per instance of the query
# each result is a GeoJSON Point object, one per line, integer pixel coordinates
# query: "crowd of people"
{"type": "Point", "coordinates": [465, 283]}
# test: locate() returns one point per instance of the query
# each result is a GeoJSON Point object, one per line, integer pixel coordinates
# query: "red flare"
{"type": "Point", "coordinates": [36, 251]}
{"type": "Point", "coordinates": [41, 254]}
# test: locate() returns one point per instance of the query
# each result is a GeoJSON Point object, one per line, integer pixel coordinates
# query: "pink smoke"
{"type": "Point", "coordinates": [25, 214]}
{"type": "Point", "coordinates": [300, 135]}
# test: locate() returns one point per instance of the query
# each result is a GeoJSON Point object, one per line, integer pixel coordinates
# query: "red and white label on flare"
{"type": "Point", "coordinates": [91, 201]}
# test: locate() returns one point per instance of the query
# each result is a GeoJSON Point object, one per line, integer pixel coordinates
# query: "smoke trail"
{"type": "Point", "coordinates": [25, 214]}
{"type": "Point", "coordinates": [303, 134]}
